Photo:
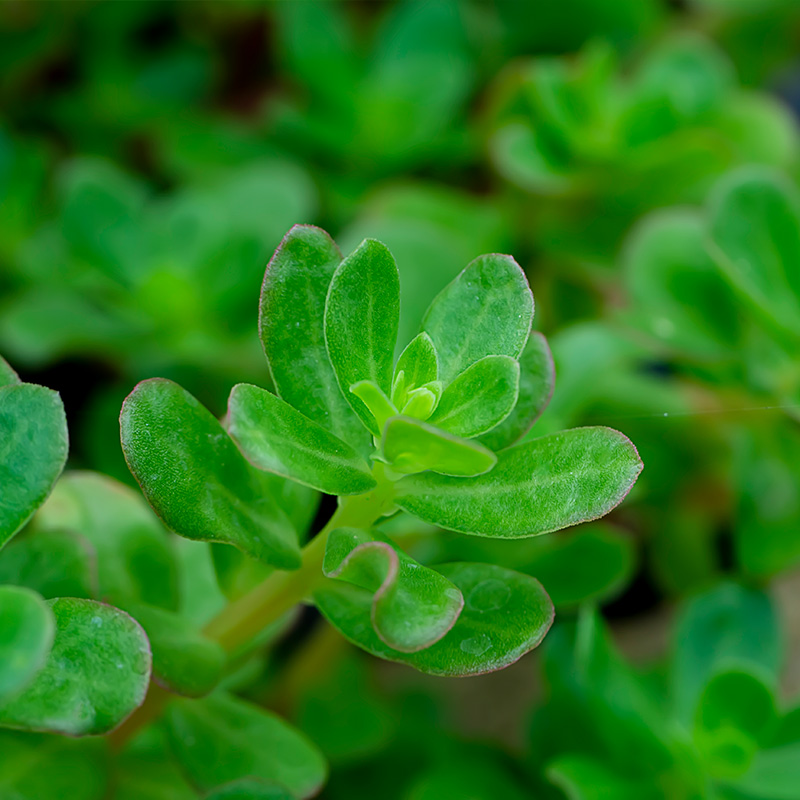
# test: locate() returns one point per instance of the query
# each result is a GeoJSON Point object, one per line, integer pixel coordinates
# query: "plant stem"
{"type": "Point", "coordinates": [243, 619]}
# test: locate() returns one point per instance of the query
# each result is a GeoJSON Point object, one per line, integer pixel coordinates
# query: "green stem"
{"type": "Point", "coordinates": [243, 619]}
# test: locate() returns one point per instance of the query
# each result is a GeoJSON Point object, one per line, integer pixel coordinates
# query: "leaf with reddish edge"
{"type": "Point", "coordinates": [536, 487]}
{"type": "Point", "coordinates": [196, 479]}
{"type": "Point", "coordinates": [412, 606]}
{"type": "Point", "coordinates": [291, 328]}
{"type": "Point", "coordinates": [506, 614]}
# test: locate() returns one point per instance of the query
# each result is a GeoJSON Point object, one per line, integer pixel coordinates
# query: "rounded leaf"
{"type": "Point", "coordinates": [27, 628]}
{"type": "Point", "coordinates": [220, 739]}
{"type": "Point", "coordinates": [486, 310]}
{"type": "Point", "coordinates": [197, 480]}
{"type": "Point", "coordinates": [505, 615]}
{"type": "Point", "coordinates": [33, 451]}
{"type": "Point", "coordinates": [95, 676]}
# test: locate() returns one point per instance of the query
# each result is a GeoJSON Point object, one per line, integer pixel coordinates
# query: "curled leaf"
{"type": "Point", "coordinates": [412, 606]}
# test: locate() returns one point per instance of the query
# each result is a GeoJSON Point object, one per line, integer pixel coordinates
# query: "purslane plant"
{"type": "Point", "coordinates": [432, 434]}
{"type": "Point", "coordinates": [385, 436]}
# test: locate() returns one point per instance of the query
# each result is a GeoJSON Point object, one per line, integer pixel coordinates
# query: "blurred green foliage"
{"type": "Point", "coordinates": [639, 158]}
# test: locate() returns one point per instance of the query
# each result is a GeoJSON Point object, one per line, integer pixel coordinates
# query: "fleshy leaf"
{"type": "Point", "coordinates": [96, 674]}
{"type": "Point", "coordinates": [410, 445]}
{"type": "Point", "coordinates": [274, 436]}
{"type": "Point", "coordinates": [728, 625]}
{"type": "Point", "coordinates": [505, 615]}
{"type": "Point", "coordinates": [133, 557]}
{"type": "Point", "coordinates": [421, 403]}
{"type": "Point", "coordinates": [7, 374]}
{"type": "Point", "coordinates": [146, 769]}
{"type": "Point", "coordinates": [755, 233]}
{"type": "Point", "coordinates": [250, 789]}
{"type": "Point", "coordinates": [677, 292]}
{"type": "Point", "coordinates": [52, 563]}
{"type": "Point", "coordinates": [537, 377]}
{"type": "Point", "coordinates": [27, 629]}
{"type": "Point", "coordinates": [220, 739]}
{"type": "Point", "coordinates": [195, 478]}
{"type": "Point", "coordinates": [487, 310]}
{"type": "Point", "coordinates": [184, 661]}
{"type": "Point", "coordinates": [536, 487]}
{"type": "Point", "coordinates": [377, 403]}
{"type": "Point", "coordinates": [33, 451]}
{"type": "Point", "coordinates": [361, 318]}
{"type": "Point", "coordinates": [35, 766]}
{"type": "Point", "coordinates": [412, 606]}
{"type": "Point", "coordinates": [419, 364]}
{"type": "Point", "coordinates": [735, 713]}
{"type": "Point", "coordinates": [482, 396]}
{"type": "Point", "coordinates": [291, 322]}
{"type": "Point", "coordinates": [583, 778]}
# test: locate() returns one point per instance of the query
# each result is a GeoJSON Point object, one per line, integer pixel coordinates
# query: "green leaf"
{"type": "Point", "coordinates": [505, 615]}
{"type": "Point", "coordinates": [7, 374]}
{"type": "Point", "coordinates": [52, 563]}
{"type": "Point", "coordinates": [146, 769]}
{"type": "Point", "coordinates": [584, 778]}
{"type": "Point", "coordinates": [773, 775]}
{"type": "Point", "coordinates": [95, 676]}
{"type": "Point", "coordinates": [469, 772]}
{"type": "Point", "coordinates": [735, 713]}
{"type": "Point", "coordinates": [487, 310]}
{"type": "Point", "coordinates": [33, 451]}
{"type": "Point", "coordinates": [39, 767]}
{"type": "Point", "coordinates": [361, 318]}
{"type": "Point", "coordinates": [755, 234]}
{"type": "Point", "coordinates": [594, 690]}
{"type": "Point", "coordinates": [676, 289]}
{"type": "Point", "coordinates": [291, 321]}
{"type": "Point", "coordinates": [410, 445]}
{"type": "Point", "coordinates": [134, 559]}
{"type": "Point", "coordinates": [412, 606]}
{"type": "Point", "coordinates": [418, 363]}
{"type": "Point", "coordinates": [537, 377]}
{"type": "Point", "coordinates": [220, 739]}
{"type": "Point", "coordinates": [728, 625]}
{"type": "Point", "coordinates": [274, 436]}
{"type": "Point", "coordinates": [184, 661]}
{"type": "Point", "coordinates": [250, 789]}
{"type": "Point", "coordinates": [377, 403]}
{"type": "Point", "coordinates": [196, 480]}
{"type": "Point", "coordinates": [27, 629]}
{"type": "Point", "coordinates": [536, 487]}
{"type": "Point", "coordinates": [482, 396]}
